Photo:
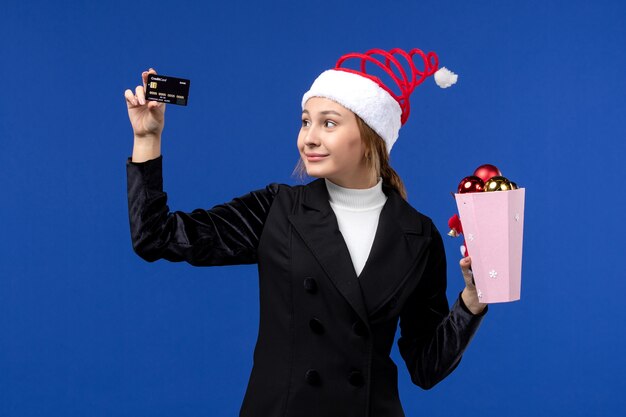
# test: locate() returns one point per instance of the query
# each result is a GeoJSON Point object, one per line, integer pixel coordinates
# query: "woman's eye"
{"type": "Point", "coordinates": [330, 123]}
{"type": "Point", "coordinates": [305, 123]}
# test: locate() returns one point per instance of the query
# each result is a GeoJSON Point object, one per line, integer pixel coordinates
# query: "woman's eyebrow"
{"type": "Point", "coordinates": [325, 112]}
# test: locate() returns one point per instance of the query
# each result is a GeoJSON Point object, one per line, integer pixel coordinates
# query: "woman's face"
{"type": "Point", "coordinates": [330, 144]}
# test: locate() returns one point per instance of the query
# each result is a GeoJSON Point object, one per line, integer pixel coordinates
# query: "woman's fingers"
{"type": "Point", "coordinates": [139, 92]}
{"type": "Point", "coordinates": [144, 77]}
{"type": "Point", "coordinates": [130, 97]}
{"type": "Point", "coordinates": [154, 104]}
{"type": "Point", "coordinates": [139, 98]}
{"type": "Point", "coordinates": [468, 275]}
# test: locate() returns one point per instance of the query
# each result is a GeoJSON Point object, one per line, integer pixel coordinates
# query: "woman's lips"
{"type": "Point", "coordinates": [315, 157]}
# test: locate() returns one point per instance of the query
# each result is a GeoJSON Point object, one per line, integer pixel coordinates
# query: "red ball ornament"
{"type": "Point", "coordinates": [471, 184]}
{"type": "Point", "coordinates": [485, 172]}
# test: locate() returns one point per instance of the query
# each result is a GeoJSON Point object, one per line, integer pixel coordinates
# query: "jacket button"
{"type": "Point", "coordinates": [359, 329]}
{"type": "Point", "coordinates": [316, 325]}
{"type": "Point", "coordinates": [312, 377]}
{"type": "Point", "coordinates": [356, 378]}
{"type": "Point", "coordinates": [393, 301]}
{"type": "Point", "coordinates": [310, 285]}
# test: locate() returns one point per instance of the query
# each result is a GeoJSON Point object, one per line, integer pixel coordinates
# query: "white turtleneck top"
{"type": "Point", "coordinates": [357, 212]}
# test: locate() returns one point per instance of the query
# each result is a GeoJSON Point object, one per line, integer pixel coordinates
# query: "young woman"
{"type": "Point", "coordinates": [341, 260]}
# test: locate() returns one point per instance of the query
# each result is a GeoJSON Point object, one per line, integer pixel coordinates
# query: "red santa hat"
{"type": "Point", "coordinates": [367, 96]}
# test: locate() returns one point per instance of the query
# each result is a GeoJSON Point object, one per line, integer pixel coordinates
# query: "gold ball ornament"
{"type": "Point", "coordinates": [498, 183]}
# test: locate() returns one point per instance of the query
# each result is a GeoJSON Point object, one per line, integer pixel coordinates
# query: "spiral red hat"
{"type": "Point", "coordinates": [367, 96]}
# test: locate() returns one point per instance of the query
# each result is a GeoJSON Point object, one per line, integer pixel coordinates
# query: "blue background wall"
{"type": "Point", "coordinates": [87, 328]}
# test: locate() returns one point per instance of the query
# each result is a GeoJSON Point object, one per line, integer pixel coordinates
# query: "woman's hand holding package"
{"type": "Point", "coordinates": [470, 295]}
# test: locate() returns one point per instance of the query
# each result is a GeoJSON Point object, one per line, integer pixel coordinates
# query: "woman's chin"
{"type": "Point", "coordinates": [314, 174]}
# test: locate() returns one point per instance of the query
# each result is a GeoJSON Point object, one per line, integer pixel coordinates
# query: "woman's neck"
{"type": "Point", "coordinates": [360, 181]}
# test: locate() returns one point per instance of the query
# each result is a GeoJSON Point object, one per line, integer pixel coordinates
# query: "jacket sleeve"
{"type": "Point", "coordinates": [433, 337]}
{"type": "Point", "coordinates": [226, 234]}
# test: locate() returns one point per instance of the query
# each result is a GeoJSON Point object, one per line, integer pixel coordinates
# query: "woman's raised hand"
{"type": "Point", "coordinates": [146, 116]}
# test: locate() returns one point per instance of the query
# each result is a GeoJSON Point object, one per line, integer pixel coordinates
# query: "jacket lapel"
{"type": "Point", "coordinates": [397, 245]}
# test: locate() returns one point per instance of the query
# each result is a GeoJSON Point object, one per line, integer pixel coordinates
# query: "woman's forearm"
{"type": "Point", "coordinates": [146, 148]}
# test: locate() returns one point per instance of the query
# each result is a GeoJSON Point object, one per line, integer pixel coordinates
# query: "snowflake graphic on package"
{"type": "Point", "coordinates": [493, 274]}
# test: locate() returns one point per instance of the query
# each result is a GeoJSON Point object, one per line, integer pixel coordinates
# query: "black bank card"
{"type": "Point", "coordinates": [167, 89]}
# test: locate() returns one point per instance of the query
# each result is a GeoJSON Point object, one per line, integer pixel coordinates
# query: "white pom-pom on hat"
{"type": "Point", "coordinates": [445, 78]}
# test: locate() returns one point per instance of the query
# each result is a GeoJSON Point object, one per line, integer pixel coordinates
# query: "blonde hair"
{"type": "Point", "coordinates": [376, 158]}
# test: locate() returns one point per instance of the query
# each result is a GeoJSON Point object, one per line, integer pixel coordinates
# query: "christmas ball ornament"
{"type": "Point", "coordinates": [486, 171]}
{"type": "Point", "coordinates": [471, 184]}
{"type": "Point", "coordinates": [514, 186]}
{"type": "Point", "coordinates": [498, 183]}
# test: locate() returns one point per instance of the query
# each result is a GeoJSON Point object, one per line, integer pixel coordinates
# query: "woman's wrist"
{"type": "Point", "coordinates": [471, 301]}
{"type": "Point", "coordinates": [146, 148]}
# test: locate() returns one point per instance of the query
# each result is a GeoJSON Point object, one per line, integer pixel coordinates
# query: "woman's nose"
{"type": "Point", "coordinates": [312, 137]}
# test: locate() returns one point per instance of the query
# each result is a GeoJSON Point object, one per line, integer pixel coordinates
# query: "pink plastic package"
{"type": "Point", "coordinates": [493, 225]}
